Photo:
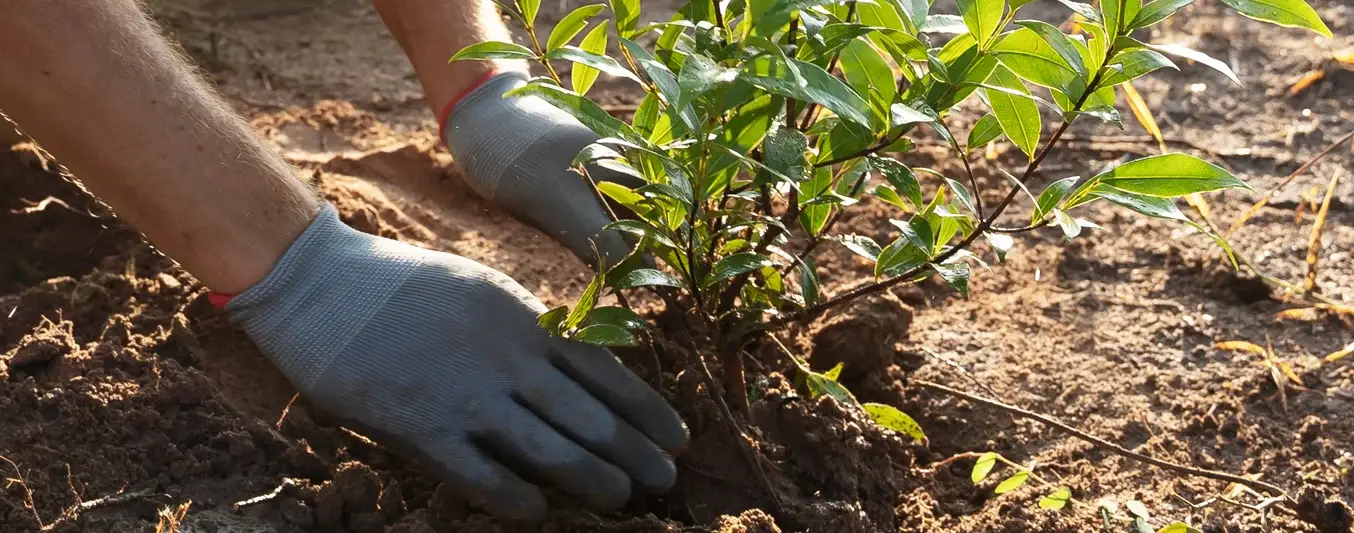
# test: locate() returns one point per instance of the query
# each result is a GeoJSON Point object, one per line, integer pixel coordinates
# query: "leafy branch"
{"type": "Point", "coordinates": [764, 123]}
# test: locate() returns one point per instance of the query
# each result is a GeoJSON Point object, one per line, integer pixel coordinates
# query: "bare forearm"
{"type": "Point", "coordinates": [96, 85]}
{"type": "Point", "coordinates": [430, 31]}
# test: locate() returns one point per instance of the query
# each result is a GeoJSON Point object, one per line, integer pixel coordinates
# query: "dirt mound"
{"type": "Point", "coordinates": [121, 377]}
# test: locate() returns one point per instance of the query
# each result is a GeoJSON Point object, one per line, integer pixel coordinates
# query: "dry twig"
{"type": "Point", "coordinates": [1270, 194]}
{"type": "Point", "coordinates": [267, 497]}
{"type": "Point", "coordinates": [23, 485]}
{"type": "Point", "coordinates": [1314, 244]}
{"type": "Point", "coordinates": [1110, 446]}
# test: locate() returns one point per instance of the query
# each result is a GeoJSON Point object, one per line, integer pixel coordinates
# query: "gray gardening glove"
{"type": "Point", "coordinates": [516, 152]}
{"type": "Point", "coordinates": [440, 357]}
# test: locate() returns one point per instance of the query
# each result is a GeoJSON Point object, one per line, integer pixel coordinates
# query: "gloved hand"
{"type": "Point", "coordinates": [439, 356]}
{"type": "Point", "coordinates": [517, 151]}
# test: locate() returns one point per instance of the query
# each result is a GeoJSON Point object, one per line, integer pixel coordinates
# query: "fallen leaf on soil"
{"type": "Point", "coordinates": [1314, 244]}
{"type": "Point", "coordinates": [1281, 364]}
{"type": "Point", "coordinates": [1339, 354]}
{"type": "Point", "coordinates": [1236, 490]}
{"type": "Point", "coordinates": [1337, 309]}
{"type": "Point", "coordinates": [1138, 509]}
{"type": "Point", "coordinates": [1304, 314]}
{"type": "Point", "coordinates": [1241, 346]}
{"type": "Point", "coordinates": [1306, 81]}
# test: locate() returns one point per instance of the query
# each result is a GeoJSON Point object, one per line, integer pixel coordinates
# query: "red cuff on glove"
{"type": "Point", "coordinates": [446, 111]}
{"type": "Point", "coordinates": [219, 299]}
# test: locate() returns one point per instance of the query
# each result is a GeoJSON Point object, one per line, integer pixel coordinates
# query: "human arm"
{"type": "Point", "coordinates": [98, 87]}
{"type": "Point", "coordinates": [434, 355]}
{"type": "Point", "coordinates": [515, 151]}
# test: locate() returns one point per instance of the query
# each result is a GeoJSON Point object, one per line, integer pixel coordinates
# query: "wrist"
{"type": "Point", "coordinates": [243, 254]}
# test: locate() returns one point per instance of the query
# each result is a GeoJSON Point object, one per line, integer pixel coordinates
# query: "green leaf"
{"type": "Point", "coordinates": [616, 316]}
{"type": "Point", "coordinates": [586, 301]}
{"type": "Point", "coordinates": [1053, 194]}
{"type": "Point", "coordinates": [866, 69]}
{"type": "Point", "coordinates": [621, 194]}
{"type": "Point", "coordinates": [913, 11]}
{"type": "Point", "coordinates": [904, 115]}
{"type": "Point", "coordinates": [834, 372]}
{"type": "Point", "coordinates": [900, 176]}
{"type": "Point", "coordinates": [982, 18]}
{"type": "Point", "coordinates": [642, 229]}
{"type": "Point", "coordinates": [898, 258]}
{"type": "Point", "coordinates": [736, 264]}
{"type": "Point", "coordinates": [890, 417]}
{"type": "Point", "coordinates": [664, 79]}
{"type": "Point", "coordinates": [956, 275]}
{"type": "Point", "coordinates": [1132, 64]}
{"type": "Point", "coordinates": [493, 50]}
{"type": "Point", "coordinates": [1057, 500]}
{"type": "Point", "coordinates": [583, 109]}
{"type": "Point", "coordinates": [570, 26]}
{"type": "Point", "coordinates": [1286, 13]}
{"type": "Point", "coordinates": [962, 194]}
{"type": "Point", "coordinates": [820, 87]}
{"type": "Point", "coordinates": [583, 76]}
{"type": "Point", "coordinates": [699, 75]}
{"type": "Point", "coordinates": [1157, 11]}
{"type": "Point", "coordinates": [646, 114]}
{"type": "Point", "coordinates": [1197, 57]}
{"type": "Point", "coordinates": [648, 277]}
{"type": "Point", "coordinates": [987, 129]}
{"type": "Point", "coordinates": [1001, 243]}
{"type": "Point", "coordinates": [1118, 13]}
{"type": "Point", "coordinates": [597, 61]}
{"type": "Point", "coordinates": [777, 14]}
{"type": "Point", "coordinates": [1060, 42]}
{"type": "Point", "coordinates": [787, 151]}
{"type": "Point", "coordinates": [1178, 527]}
{"type": "Point", "coordinates": [1148, 205]}
{"type": "Point", "coordinates": [552, 320]}
{"type": "Point", "coordinates": [808, 282]}
{"type": "Point", "coordinates": [1019, 117]}
{"type": "Point", "coordinates": [1016, 480]}
{"type": "Point", "coordinates": [888, 194]}
{"type": "Point", "coordinates": [986, 462]}
{"type": "Point", "coordinates": [820, 385]}
{"type": "Point", "coordinates": [1136, 508]}
{"type": "Point", "coordinates": [528, 8]}
{"type": "Point", "coordinates": [948, 24]}
{"type": "Point", "coordinates": [862, 246]}
{"type": "Point", "coordinates": [605, 335]}
{"type": "Point", "coordinates": [1170, 176]}
{"type": "Point", "coordinates": [918, 232]}
{"type": "Point", "coordinates": [627, 16]}
{"type": "Point", "coordinates": [1087, 11]}
{"type": "Point", "coordinates": [1071, 229]}
{"type": "Point", "coordinates": [751, 123]}
{"type": "Point", "coordinates": [1028, 55]}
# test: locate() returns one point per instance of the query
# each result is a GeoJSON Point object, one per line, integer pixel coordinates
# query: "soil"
{"type": "Point", "coordinates": [118, 377]}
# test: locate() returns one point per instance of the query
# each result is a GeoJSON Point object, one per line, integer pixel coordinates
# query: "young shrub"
{"type": "Point", "coordinates": [766, 118]}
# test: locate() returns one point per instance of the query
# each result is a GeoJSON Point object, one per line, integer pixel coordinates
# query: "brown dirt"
{"type": "Point", "coordinates": [116, 375]}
